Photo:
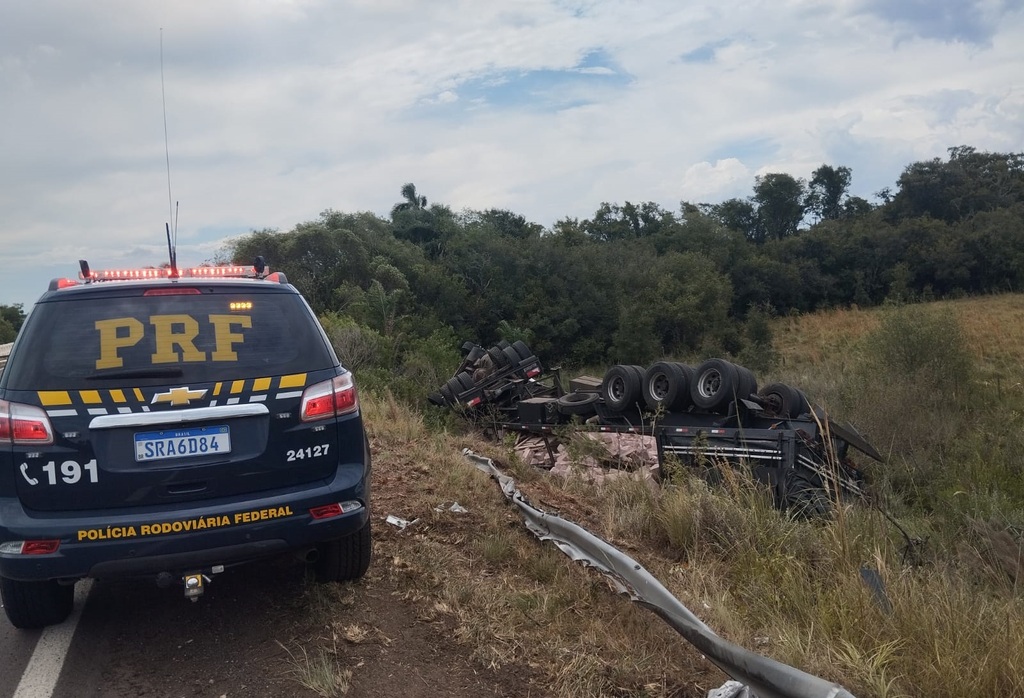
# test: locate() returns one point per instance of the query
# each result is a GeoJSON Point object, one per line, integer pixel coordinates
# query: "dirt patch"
{"type": "Point", "coordinates": [266, 629]}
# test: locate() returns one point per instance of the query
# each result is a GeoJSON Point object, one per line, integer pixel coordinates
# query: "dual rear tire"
{"type": "Point", "coordinates": [712, 386]}
{"type": "Point", "coordinates": [718, 383]}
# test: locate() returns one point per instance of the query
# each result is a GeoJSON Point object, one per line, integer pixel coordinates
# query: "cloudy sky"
{"type": "Point", "coordinates": [279, 109]}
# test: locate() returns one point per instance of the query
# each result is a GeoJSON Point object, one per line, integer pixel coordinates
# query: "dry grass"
{"type": "Point", "coordinates": [319, 670]}
{"type": "Point", "coordinates": [993, 325]}
{"type": "Point", "coordinates": [788, 589]}
{"type": "Point", "coordinates": [947, 621]}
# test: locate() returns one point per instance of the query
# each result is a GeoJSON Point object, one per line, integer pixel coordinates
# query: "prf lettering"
{"type": "Point", "coordinates": [175, 337]}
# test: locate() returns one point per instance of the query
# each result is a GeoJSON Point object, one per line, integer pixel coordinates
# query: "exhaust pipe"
{"type": "Point", "coordinates": [308, 556]}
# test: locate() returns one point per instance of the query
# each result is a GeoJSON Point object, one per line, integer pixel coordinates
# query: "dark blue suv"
{"type": "Point", "coordinates": [168, 425]}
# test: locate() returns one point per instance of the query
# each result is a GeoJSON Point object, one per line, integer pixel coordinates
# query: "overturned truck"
{"type": "Point", "coordinates": [701, 416]}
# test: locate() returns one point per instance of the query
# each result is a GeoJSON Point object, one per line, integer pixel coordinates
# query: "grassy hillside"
{"type": "Point", "coordinates": [937, 388]}
{"type": "Point", "coordinates": [993, 327]}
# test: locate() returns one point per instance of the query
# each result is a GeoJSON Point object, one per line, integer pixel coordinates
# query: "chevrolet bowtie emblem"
{"type": "Point", "coordinates": [178, 396]}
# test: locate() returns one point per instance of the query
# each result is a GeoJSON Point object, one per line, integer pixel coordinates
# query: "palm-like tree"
{"type": "Point", "coordinates": [413, 201]}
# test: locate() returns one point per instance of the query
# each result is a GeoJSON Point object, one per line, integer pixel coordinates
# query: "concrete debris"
{"type": "Point", "coordinates": [400, 523]}
{"type": "Point", "coordinates": [455, 508]}
{"type": "Point", "coordinates": [595, 457]}
{"type": "Point", "coordinates": [730, 689]}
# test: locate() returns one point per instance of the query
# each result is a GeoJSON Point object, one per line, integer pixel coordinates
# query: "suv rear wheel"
{"type": "Point", "coordinates": [36, 604]}
{"type": "Point", "coordinates": [345, 559]}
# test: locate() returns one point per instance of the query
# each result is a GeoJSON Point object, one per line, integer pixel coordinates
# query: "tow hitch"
{"type": "Point", "coordinates": [194, 583]}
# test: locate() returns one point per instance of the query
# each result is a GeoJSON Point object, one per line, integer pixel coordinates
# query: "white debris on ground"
{"type": "Point", "coordinates": [613, 455]}
{"type": "Point", "coordinates": [730, 689]}
{"type": "Point", "coordinates": [399, 522]}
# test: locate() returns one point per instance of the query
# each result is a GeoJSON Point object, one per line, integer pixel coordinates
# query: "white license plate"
{"type": "Point", "coordinates": [182, 443]}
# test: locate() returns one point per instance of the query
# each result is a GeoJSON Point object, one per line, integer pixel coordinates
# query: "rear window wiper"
{"type": "Point", "coordinates": [138, 373]}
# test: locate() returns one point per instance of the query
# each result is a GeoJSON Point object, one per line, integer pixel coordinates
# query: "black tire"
{"type": "Point", "coordinates": [688, 372]}
{"type": "Point", "coordinates": [511, 356]}
{"type": "Point", "coordinates": [577, 403]}
{"type": "Point", "coordinates": [781, 400]}
{"type": "Point", "coordinates": [747, 383]}
{"type": "Point", "coordinates": [666, 386]}
{"type": "Point", "coordinates": [621, 388]}
{"type": "Point", "coordinates": [503, 345]}
{"type": "Point", "coordinates": [714, 386]}
{"type": "Point", "coordinates": [521, 349]}
{"type": "Point", "coordinates": [465, 379]}
{"type": "Point", "coordinates": [447, 394]}
{"type": "Point", "coordinates": [804, 499]}
{"type": "Point", "coordinates": [345, 559]}
{"type": "Point", "coordinates": [31, 605]}
{"type": "Point", "coordinates": [805, 404]}
{"type": "Point", "coordinates": [498, 357]}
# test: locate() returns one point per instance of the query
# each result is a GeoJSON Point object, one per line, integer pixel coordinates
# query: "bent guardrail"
{"type": "Point", "coordinates": [764, 677]}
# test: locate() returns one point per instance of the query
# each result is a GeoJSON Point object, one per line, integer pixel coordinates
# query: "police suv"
{"type": "Point", "coordinates": [168, 424]}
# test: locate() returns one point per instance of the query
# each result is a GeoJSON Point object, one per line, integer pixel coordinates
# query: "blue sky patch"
{"type": "Point", "coordinates": [706, 53]}
{"type": "Point", "coordinates": [538, 90]}
{"type": "Point", "coordinates": [972, 22]}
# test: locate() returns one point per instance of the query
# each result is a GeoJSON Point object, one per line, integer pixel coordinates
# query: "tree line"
{"type": "Point", "coordinates": [636, 282]}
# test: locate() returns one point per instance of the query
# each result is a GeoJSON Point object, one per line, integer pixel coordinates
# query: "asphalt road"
{"type": "Point", "coordinates": [134, 639]}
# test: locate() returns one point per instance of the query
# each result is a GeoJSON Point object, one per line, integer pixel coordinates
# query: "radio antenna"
{"type": "Point", "coordinates": [171, 244]}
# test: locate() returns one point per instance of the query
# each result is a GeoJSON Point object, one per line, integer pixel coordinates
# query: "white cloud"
{"type": "Point", "coordinates": [707, 182]}
{"type": "Point", "coordinates": [277, 110]}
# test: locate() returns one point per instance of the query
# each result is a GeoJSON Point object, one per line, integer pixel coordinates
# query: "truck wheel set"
{"type": "Point", "coordinates": [709, 413]}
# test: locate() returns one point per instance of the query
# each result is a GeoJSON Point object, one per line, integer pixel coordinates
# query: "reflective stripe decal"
{"type": "Point", "coordinates": [125, 400]}
{"type": "Point", "coordinates": [90, 397]}
{"type": "Point", "coordinates": [51, 398]}
{"type": "Point", "coordinates": [62, 413]}
{"type": "Point", "coordinates": [296, 380]}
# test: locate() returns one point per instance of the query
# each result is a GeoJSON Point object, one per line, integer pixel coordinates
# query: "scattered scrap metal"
{"type": "Point", "coordinates": [758, 676]}
{"type": "Point", "coordinates": [702, 416]}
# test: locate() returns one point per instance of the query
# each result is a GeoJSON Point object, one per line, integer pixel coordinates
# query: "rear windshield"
{"type": "Point", "coordinates": [99, 342]}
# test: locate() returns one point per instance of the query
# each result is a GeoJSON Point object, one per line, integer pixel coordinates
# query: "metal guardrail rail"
{"type": "Point", "coordinates": [5, 351]}
{"type": "Point", "coordinates": [762, 676]}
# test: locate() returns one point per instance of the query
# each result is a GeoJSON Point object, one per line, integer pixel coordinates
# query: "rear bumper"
{"type": "Point", "coordinates": [180, 539]}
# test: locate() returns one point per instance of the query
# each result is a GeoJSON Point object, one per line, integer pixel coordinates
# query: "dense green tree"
{"type": "Point", "coordinates": [7, 332]}
{"type": "Point", "coordinates": [739, 215]}
{"type": "Point", "coordinates": [779, 198]}
{"type": "Point", "coordinates": [827, 192]}
{"type": "Point", "coordinates": [11, 319]}
{"type": "Point", "coordinates": [612, 222]}
{"type": "Point", "coordinates": [412, 220]}
{"type": "Point", "coordinates": [509, 224]}
{"type": "Point", "coordinates": [970, 182]}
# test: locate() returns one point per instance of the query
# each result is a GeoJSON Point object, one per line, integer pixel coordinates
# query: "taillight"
{"type": "Point", "coordinates": [29, 547]}
{"type": "Point", "coordinates": [40, 547]}
{"type": "Point", "coordinates": [327, 511]}
{"type": "Point", "coordinates": [24, 424]}
{"type": "Point", "coordinates": [329, 399]}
